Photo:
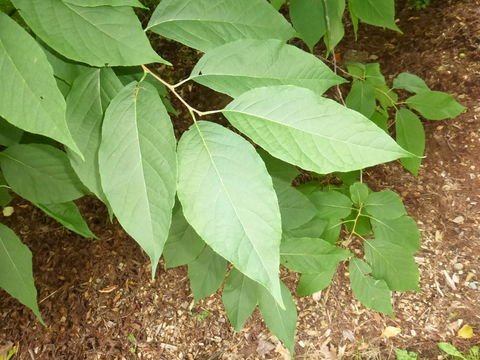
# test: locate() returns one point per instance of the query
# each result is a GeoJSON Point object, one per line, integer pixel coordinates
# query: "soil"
{"type": "Point", "coordinates": [99, 302]}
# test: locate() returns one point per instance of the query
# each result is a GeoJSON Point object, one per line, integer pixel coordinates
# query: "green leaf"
{"type": "Point", "coordinates": [410, 136]}
{"type": "Point", "coordinates": [240, 297]}
{"type": "Point", "coordinates": [9, 134]}
{"type": "Point", "coordinates": [16, 276]}
{"type": "Point", "coordinates": [205, 24]}
{"type": "Point", "coordinates": [112, 35]}
{"type": "Point", "coordinates": [277, 168]}
{"type": "Point", "coordinates": [386, 96]}
{"type": "Point", "coordinates": [314, 228]}
{"type": "Point", "coordinates": [359, 193]}
{"type": "Point", "coordinates": [242, 65]}
{"type": "Point", "coordinates": [138, 166]}
{"type": "Point", "coordinates": [277, 4]}
{"type": "Point", "coordinates": [30, 98]}
{"type": "Point", "coordinates": [312, 283]}
{"type": "Point", "coordinates": [410, 82]}
{"type": "Point", "coordinates": [334, 10]}
{"type": "Point", "coordinates": [402, 231]}
{"type": "Point", "coordinates": [371, 292]}
{"type": "Point", "coordinates": [376, 12]}
{"type": "Point", "coordinates": [300, 127]}
{"type": "Point", "coordinates": [348, 178]}
{"type": "Point", "coordinates": [362, 225]}
{"type": "Point", "coordinates": [5, 197]}
{"type": "Point", "coordinates": [361, 98]}
{"type": "Point", "coordinates": [69, 216]}
{"type": "Point", "coordinates": [183, 244]}
{"type": "Point", "coordinates": [384, 204]}
{"type": "Point", "coordinates": [380, 119]}
{"type": "Point", "coordinates": [308, 18]}
{"type": "Point", "coordinates": [64, 69]}
{"type": "Point", "coordinates": [435, 105]}
{"type": "Point", "coordinates": [89, 97]}
{"type": "Point", "coordinates": [94, 3]}
{"type": "Point", "coordinates": [450, 350]}
{"type": "Point", "coordinates": [281, 322]}
{"type": "Point", "coordinates": [332, 231]}
{"type": "Point", "coordinates": [40, 173]}
{"type": "Point", "coordinates": [331, 204]}
{"type": "Point", "coordinates": [228, 198]}
{"type": "Point", "coordinates": [206, 273]}
{"type": "Point", "coordinates": [307, 255]}
{"type": "Point", "coordinates": [392, 263]}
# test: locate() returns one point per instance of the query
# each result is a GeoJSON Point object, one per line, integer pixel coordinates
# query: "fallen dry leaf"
{"type": "Point", "coordinates": [466, 332]}
{"type": "Point", "coordinates": [391, 331]}
{"type": "Point", "coordinates": [264, 347]}
{"type": "Point", "coordinates": [108, 289]}
{"type": "Point", "coordinates": [8, 211]}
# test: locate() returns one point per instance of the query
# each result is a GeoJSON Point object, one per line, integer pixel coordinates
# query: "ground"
{"type": "Point", "coordinates": [95, 294]}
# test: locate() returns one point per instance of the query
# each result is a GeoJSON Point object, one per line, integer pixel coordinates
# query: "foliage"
{"type": "Point", "coordinates": [449, 349]}
{"type": "Point", "coordinates": [83, 114]}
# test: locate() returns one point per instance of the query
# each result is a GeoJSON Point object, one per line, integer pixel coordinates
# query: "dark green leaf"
{"type": "Point", "coordinates": [40, 173]}
{"type": "Point", "coordinates": [376, 12]}
{"type": "Point", "coordinates": [392, 263]}
{"type": "Point", "coordinates": [312, 283]}
{"type": "Point", "coordinates": [206, 273]}
{"type": "Point", "coordinates": [410, 82]}
{"type": "Point", "coordinates": [307, 255]}
{"type": "Point", "coordinates": [312, 229]}
{"type": "Point", "coordinates": [385, 205]}
{"type": "Point", "coordinates": [282, 323]}
{"type": "Point", "coordinates": [331, 204]}
{"type": "Point", "coordinates": [9, 134]}
{"type": "Point", "coordinates": [183, 244]}
{"type": "Point", "coordinates": [69, 216]}
{"type": "Point", "coordinates": [361, 98]}
{"type": "Point", "coordinates": [380, 119]}
{"type": "Point", "coordinates": [240, 297]}
{"type": "Point", "coordinates": [359, 193]}
{"type": "Point", "coordinates": [410, 136]}
{"type": "Point", "coordinates": [334, 10]}
{"type": "Point", "coordinates": [308, 18]}
{"type": "Point", "coordinates": [16, 276]}
{"type": "Point", "coordinates": [435, 105]}
{"type": "Point", "coordinates": [402, 231]}
{"type": "Point", "coordinates": [371, 292]}
{"type": "Point", "coordinates": [332, 231]}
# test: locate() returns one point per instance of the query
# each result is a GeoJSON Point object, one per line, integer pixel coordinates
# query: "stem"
{"type": "Point", "coordinates": [354, 225]}
{"type": "Point", "coordinates": [170, 87]}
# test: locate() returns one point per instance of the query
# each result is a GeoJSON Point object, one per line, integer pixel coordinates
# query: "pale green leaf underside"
{"type": "Point", "coordinates": [89, 96]}
{"type": "Point", "coordinates": [29, 96]}
{"type": "Point", "coordinates": [99, 36]}
{"type": "Point", "coordinates": [206, 24]}
{"type": "Point", "coordinates": [281, 322]}
{"type": "Point", "coordinates": [307, 255]}
{"type": "Point", "coordinates": [228, 198]}
{"type": "Point", "coordinates": [240, 297]}
{"type": "Point", "coordinates": [183, 244]}
{"type": "Point", "coordinates": [16, 276]}
{"type": "Point", "coordinates": [138, 165]}
{"type": "Point", "coordinates": [69, 216]}
{"type": "Point", "coordinates": [371, 292]}
{"type": "Point", "coordinates": [300, 127]}
{"type": "Point", "coordinates": [206, 273]}
{"type": "Point", "coordinates": [93, 3]}
{"type": "Point", "coordinates": [242, 65]}
{"type": "Point", "coordinates": [40, 173]}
